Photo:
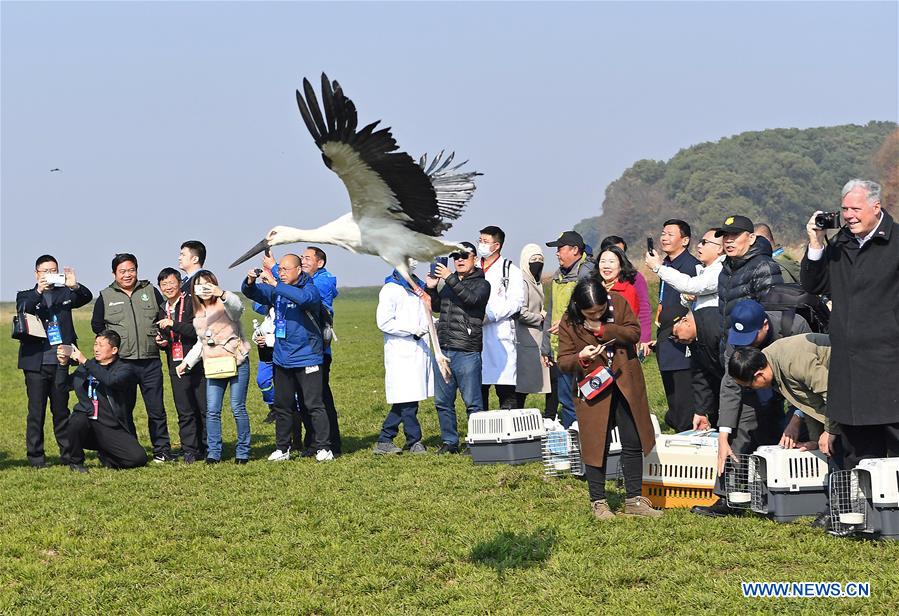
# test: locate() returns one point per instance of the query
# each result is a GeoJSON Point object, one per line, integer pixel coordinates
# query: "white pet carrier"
{"type": "Point", "coordinates": [866, 499]}
{"type": "Point", "coordinates": [506, 436]}
{"type": "Point", "coordinates": [680, 470]}
{"type": "Point", "coordinates": [785, 484]}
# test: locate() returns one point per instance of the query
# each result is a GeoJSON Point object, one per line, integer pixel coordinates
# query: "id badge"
{"type": "Point", "coordinates": [280, 328]}
{"type": "Point", "coordinates": [54, 337]}
{"type": "Point", "coordinates": [96, 410]}
{"type": "Point", "coordinates": [177, 351]}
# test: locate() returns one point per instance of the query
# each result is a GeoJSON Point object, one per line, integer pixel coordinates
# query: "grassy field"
{"type": "Point", "coordinates": [363, 535]}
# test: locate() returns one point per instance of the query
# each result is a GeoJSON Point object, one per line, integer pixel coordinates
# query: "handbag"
{"type": "Point", "coordinates": [220, 367]}
{"type": "Point", "coordinates": [26, 325]}
{"type": "Point", "coordinates": [595, 383]}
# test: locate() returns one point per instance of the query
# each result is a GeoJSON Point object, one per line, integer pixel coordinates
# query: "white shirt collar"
{"type": "Point", "coordinates": [864, 240]}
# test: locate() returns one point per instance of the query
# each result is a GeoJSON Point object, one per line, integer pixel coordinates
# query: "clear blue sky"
{"type": "Point", "coordinates": [172, 121]}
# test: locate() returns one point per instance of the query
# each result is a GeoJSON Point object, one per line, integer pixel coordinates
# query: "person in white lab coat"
{"type": "Point", "coordinates": [408, 377]}
{"type": "Point", "coordinates": [499, 355]}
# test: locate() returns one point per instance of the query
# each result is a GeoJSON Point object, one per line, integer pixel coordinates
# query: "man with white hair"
{"type": "Point", "coordinates": [859, 269]}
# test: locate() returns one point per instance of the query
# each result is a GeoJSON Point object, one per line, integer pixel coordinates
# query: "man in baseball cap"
{"type": "Point", "coordinates": [735, 224]}
{"type": "Point", "coordinates": [748, 324]}
{"type": "Point", "coordinates": [568, 238]}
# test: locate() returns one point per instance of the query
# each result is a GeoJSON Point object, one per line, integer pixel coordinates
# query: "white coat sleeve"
{"type": "Point", "coordinates": [701, 284]}
{"type": "Point", "coordinates": [389, 319]}
{"type": "Point", "coordinates": [504, 305]}
{"type": "Point", "coordinates": [193, 357]}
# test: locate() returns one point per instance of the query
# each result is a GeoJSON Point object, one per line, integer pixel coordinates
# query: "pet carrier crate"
{"type": "Point", "coordinates": [613, 464]}
{"type": "Point", "coordinates": [680, 470]}
{"type": "Point", "coordinates": [785, 484]}
{"type": "Point", "coordinates": [865, 500]}
{"type": "Point", "coordinates": [561, 451]}
{"type": "Point", "coordinates": [510, 436]}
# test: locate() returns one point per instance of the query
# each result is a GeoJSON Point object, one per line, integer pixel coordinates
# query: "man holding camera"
{"type": "Point", "coordinates": [129, 307]}
{"type": "Point", "coordinates": [51, 300]}
{"type": "Point", "coordinates": [859, 269]}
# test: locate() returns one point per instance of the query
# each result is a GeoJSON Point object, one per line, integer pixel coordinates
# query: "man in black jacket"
{"type": "Point", "coordinates": [749, 269]}
{"type": "Point", "coordinates": [462, 303]}
{"type": "Point", "coordinates": [701, 330]}
{"type": "Point", "coordinates": [53, 305]}
{"type": "Point", "coordinates": [98, 420]}
{"type": "Point", "coordinates": [177, 337]}
{"type": "Point", "coordinates": [859, 269]}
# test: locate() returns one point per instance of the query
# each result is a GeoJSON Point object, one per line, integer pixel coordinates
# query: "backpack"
{"type": "Point", "coordinates": [791, 299]}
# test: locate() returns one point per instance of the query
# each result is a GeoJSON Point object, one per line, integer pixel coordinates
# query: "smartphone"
{"type": "Point", "coordinates": [650, 246]}
{"type": "Point", "coordinates": [442, 261]}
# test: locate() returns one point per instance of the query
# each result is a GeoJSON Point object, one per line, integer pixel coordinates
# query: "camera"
{"type": "Point", "coordinates": [57, 280]}
{"type": "Point", "coordinates": [828, 220]}
{"type": "Point", "coordinates": [258, 270]}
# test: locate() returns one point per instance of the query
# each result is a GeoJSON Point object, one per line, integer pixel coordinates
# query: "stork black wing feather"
{"type": "Point", "coordinates": [412, 187]}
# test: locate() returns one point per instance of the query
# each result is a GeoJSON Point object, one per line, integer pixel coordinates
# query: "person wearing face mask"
{"type": "Point", "coordinates": [499, 357]}
{"type": "Point", "coordinates": [129, 307]}
{"type": "Point", "coordinates": [532, 376]}
{"type": "Point", "coordinates": [598, 346]}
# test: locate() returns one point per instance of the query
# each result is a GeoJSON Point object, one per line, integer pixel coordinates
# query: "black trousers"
{"type": "Point", "coordinates": [862, 442]}
{"type": "Point", "coordinates": [678, 386]}
{"type": "Point", "coordinates": [304, 420]}
{"type": "Point", "coordinates": [631, 452]}
{"type": "Point", "coordinates": [189, 393]}
{"type": "Point", "coordinates": [506, 394]}
{"type": "Point", "coordinates": [149, 377]}
{"type": "Point", "coordinates": [551, 410]}
{"type": "Point", "coordinates": [40, 386]}
{"type": "Point", "coordinates": [116, 447]}
{"type": "Point", "coordinates": [292, 384]}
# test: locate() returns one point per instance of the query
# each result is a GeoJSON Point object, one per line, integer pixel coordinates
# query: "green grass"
{"type": "Point", "coordinates": [362, 535]}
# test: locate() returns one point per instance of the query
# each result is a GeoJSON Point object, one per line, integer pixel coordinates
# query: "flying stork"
{"type": "Point", "coordinates": [400, 208]}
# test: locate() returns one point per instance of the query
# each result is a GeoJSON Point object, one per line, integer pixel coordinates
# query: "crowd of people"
{"type": "Point", "coordinates": [728, 357]}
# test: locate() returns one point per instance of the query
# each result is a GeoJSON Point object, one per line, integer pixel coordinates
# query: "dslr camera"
{"type": "Point", "coordinates": [57, 280]}
{"type": "Point", "coordinates": [828, 220]}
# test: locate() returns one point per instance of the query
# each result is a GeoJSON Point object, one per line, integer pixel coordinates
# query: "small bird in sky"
{"type": "Point", "coordinates": [56, 169]}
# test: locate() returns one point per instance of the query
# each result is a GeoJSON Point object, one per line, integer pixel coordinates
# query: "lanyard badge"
{"type": "Point", "coordinates": [280, 321]}
{"type": "Point", "coordinates": [92, 393]}
{"type": "Point", "coordinates": [54, 336]}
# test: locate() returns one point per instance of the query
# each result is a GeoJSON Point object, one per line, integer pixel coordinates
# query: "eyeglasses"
{"type": "Point", "coordinates": [703, 242]}
{"type": "Point", "coordinates": [48, 271]}
{"type": "Point", "coordinates": [458, 255]}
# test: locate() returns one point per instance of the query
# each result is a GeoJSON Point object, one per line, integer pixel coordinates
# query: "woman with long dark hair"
{"type": "Point", "coordinates": [225, 353]}
{"type": "Point", "coordinates": [597, 344]}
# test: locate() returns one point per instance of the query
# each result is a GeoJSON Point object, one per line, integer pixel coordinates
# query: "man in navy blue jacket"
{"type": "Point", "coordinates": [53, 305]}
{"type": "Point", "coordinates": [298, 354]}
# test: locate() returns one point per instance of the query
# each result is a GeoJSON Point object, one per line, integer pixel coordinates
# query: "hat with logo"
{"type": "Point", "coordinates": [746, 319]}
{"type": "Point", "coordinates": [735, 224]}
{"type": "Point", "coordinates": [469, 247]}
{"type": "Point", "coordinates": [668, 318]}
{"type": "Point", "coordinates": [568, 238]}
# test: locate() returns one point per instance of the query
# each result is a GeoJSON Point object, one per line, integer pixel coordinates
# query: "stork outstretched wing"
{"type": "Point", "coordinates": [381, 180]}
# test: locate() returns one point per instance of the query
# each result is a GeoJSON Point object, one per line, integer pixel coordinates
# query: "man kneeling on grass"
{"type": "Point", "coordinates": [99, 420]}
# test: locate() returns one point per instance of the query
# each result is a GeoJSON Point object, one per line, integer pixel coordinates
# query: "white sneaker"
{"type": "Point", "coordinates": [279, 456]}
{"type": "Point", "coordinates": [324, 455]}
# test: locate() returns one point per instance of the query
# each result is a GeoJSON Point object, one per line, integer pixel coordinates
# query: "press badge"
{"type": "Point", "coordinates": [595, 383]}
{"type": "Point", "coordinates": [311, 369]}
{"type": "Point", "coordinates": [92, 394]}
{"type": "Point", "coordinates": [280, 328]}
{"type": "Point", "coordinates": [54, 337]}
{"type": "Point", "coordinates": [177, 351]}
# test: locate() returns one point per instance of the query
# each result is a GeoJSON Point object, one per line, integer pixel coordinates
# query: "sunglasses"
{"type": "Point", "coordinates": [459, 255]}
{"type": "Point", "coordinates": [703, 242]}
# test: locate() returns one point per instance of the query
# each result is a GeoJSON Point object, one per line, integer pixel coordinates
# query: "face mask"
{"type": "Point", "coordinates": [484, 250]}
{"type": "Point", "coordinates": [536, 268]}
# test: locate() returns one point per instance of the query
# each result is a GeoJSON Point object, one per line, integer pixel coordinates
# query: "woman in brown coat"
{"type": "Point", "coordinates": [600, 329]}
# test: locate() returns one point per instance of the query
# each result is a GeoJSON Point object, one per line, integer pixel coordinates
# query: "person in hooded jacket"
{"type": "Point", "coordinates": [408, 372]}
{"type": "Point", "coordinates": [532, 376]}
{"type": "Point", "coordinates": [749, 269]}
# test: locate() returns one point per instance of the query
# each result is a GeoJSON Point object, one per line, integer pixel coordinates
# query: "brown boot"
{"type": "Point", "coordinates": [601, 510]}
{"type": "Point", "coordinates": [640, 506]}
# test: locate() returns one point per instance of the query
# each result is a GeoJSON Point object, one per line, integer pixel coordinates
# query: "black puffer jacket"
{"type": "Point", "coordinates": [747, 277]}
{"type": "Point", "coordinates": [461, 304]}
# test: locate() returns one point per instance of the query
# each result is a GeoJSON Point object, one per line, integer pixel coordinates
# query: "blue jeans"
{"type": "Point", "coordinates": [566, 398]}
{"type": "Point", "coordinates": [215, 395]}
{"type": "Point", "coordinates": [466, 378]}
{"type": "Point", "coordinates": [405, 413]}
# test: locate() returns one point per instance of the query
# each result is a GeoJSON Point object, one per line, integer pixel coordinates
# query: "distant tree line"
{"type": "Point", "coordinates": [778, 176]}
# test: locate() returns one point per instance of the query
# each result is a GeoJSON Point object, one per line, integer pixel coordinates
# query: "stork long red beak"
{"type": "Point", "coordinates": [252, 252]}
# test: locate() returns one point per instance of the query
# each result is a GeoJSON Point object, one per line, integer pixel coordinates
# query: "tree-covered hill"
{"type": "Point", "coordinates": [778, 176]}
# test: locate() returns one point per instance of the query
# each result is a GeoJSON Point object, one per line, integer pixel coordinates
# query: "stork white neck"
{"type": "Point", "coordinates": [343, 232]}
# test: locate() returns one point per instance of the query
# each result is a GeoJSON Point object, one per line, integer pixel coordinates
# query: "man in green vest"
{"type": "Point", "coordinates": [129, 307]}
{"type": "Point", "coordinates": [573, 266]}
